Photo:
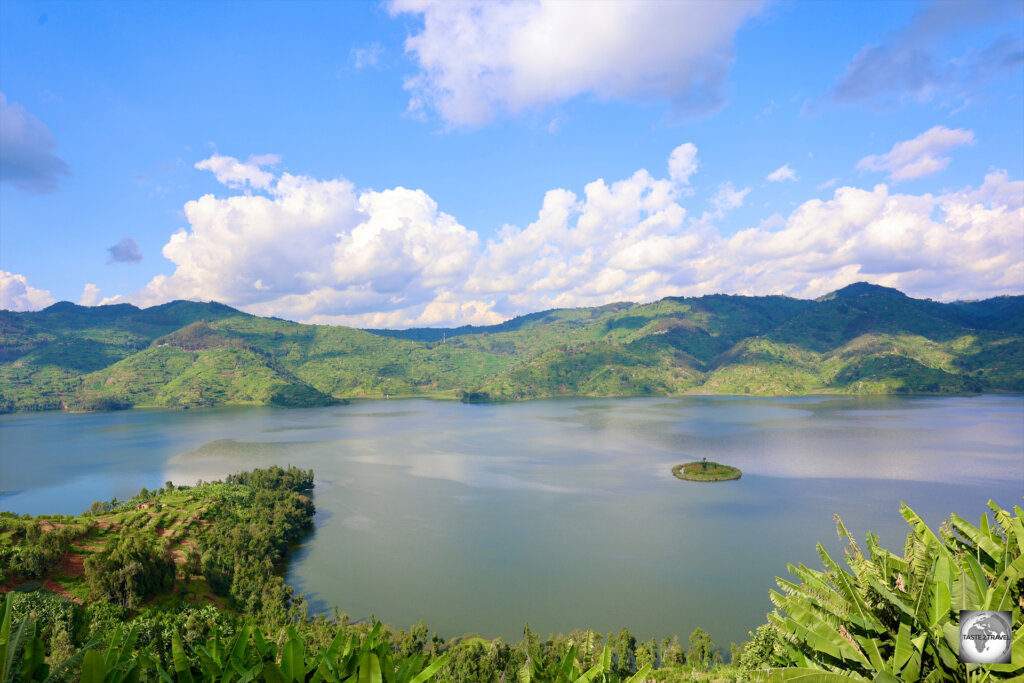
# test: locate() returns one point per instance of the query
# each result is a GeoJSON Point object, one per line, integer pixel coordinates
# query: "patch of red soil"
{"type": "Point", "coordinates": [164, 533]}
{"type": "Point", "coordinates": [73, 564]}
{"type": "Point", "coordinates": [90, 548]}
{"type": "Point", "coordinates": [52, 585]}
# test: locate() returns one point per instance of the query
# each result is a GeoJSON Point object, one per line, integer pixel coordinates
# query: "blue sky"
{"type": "Point", "coordinates": [422, 163]}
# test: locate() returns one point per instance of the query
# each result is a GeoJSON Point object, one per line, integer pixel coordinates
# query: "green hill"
{"type": "Point", "coordinates": [860, 339]}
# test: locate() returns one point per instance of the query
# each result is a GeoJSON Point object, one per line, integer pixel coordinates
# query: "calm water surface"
{"type": "Point", "coordinates": [564, 514]}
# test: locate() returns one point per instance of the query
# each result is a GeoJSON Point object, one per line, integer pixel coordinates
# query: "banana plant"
{"type": "Point", "coordinates": [120, 662]}
{"type": "Point", "coordinates": [233, 660]}
{"type": "Point", "coordinates": [569, 670]}
{"type": "Point", "coordinates": [346, 661]}
{"type": "Point", "coordinates": [23, 654]}
{"type": "Point", "coordinates": [896, 618]}
{"type": "Point", "coordinates": [250, 656]}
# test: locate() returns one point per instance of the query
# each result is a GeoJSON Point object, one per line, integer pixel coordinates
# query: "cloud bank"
{"type": "Point", "coordinates": [26, 151]}
{"type": "Point", "coordinates": [479, 59]}
{"type": "Point", "coordinates": [321, 251]}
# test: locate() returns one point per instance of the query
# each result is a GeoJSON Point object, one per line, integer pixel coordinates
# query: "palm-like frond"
{"type": "Point", "coordinates": [887, 617]}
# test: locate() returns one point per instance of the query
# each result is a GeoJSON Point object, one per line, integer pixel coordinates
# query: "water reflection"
{"type": "Point", "coordinates": [561, 513]}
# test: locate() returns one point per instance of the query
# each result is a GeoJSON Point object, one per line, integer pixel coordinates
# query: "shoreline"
{"type": "Point", "coordinates": [351, 400]}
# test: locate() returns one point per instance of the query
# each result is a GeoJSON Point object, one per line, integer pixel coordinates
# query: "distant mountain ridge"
{"type": "Point", "coordinates": [862, 338]}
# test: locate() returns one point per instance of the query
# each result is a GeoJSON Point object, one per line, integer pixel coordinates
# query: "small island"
{"type": "Point", "coordinates": [705, 470]}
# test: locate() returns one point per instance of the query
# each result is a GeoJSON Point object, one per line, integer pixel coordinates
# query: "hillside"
{"type": "Point", "coordinates": [860, 339]}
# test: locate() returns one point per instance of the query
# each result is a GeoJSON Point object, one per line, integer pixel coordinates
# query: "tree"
{"type": "Point", "coordinates": [625, 648]}
{"type": "Point", "coordinates": [193, 563]}
{"type": "Point", "coordinates": [135, 568]}
{"type": "Point", "coordinates": [672, 653]}
{"type": "Point", "coordinates": [475, 661]}
{"type": "Point", "coordinates": [702, 650]}
{"type": "Point", "coordinates": [647, 654]}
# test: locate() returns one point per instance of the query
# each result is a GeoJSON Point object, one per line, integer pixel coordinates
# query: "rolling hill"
{"type": "Point", "coordinates": [860, 339]}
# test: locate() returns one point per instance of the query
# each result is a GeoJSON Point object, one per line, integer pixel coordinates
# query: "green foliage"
{"type": "Point", "coordinates": [894, 617]}
{"type": "Point", "coordinates": [762, 651]}
{"type": "Point", "coordinates": [274, 478]}
{"type": "Point", "coordinates": [130, 570]}
{"type": "Point", "coordinates": [232, 534]}
{"type": "Point", "coordinates": [23, 650]}
{"type": "Point", "coordinates": [860, 339]}
{"type": "Point", "coordinates": [50, 612]}
{"type": "Point", "coordinates": [244, 654]}
{"type": "Point", "coordinates": [570, 670]}
{"type": "Point", "coordinates": [702, 652]}
{"type": "Point", "coordinates": [32, 553]}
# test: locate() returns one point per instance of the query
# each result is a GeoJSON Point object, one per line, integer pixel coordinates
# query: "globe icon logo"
{"type": "Point", "coordinates": [985, 637]}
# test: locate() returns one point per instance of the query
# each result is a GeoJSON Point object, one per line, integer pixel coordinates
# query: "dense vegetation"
{"type": "Point", "coordinates": [885, 617]}
{"type": "Point", "coordinates": [216, 542]}
{"type": "Point", "coordinates": [860, 339]}
{"type": "Point", "coordinates": [895, 617]}
{"type": "Point", "coordinates": [706, 470]}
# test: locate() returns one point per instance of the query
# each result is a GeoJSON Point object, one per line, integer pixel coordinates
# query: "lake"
{"type": "Point", "coordinates": [560, 513]}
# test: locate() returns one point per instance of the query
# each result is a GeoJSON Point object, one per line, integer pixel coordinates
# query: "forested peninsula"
{"type": "Point", "coordinates": [182, 584]}
{"type": "Point", "coordinates": [862, 339]}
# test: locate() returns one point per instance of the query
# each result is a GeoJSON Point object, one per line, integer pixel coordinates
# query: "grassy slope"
{"type": "Point", "coordinates": [861, 339]}
{"type": "Point", "coordinates": [176, 517]}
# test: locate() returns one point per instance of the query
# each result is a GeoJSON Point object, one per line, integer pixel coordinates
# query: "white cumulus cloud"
{"type": "Point", "coordinates": [319, 251]}
{"type": "Point", "coordinates": [90, 295]}
{"type": "Point", "coordinates": [237, 174]}
{"type": "Point", "coordinates": [728, 197]}
{"type": "Point", "coordinates": [683, 163]}
{"type": "Point", "coordinates": [918, 157]}
{"type": "Point", "coordinates": [780, 174]}
{"type": "Point", "coordinates": [481, 58]}
{"type": "Point", "coordinates": [16, 294]}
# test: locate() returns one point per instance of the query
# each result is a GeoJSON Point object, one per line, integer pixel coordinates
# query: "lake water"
{"type": "Point", "coordinates": [564, 513]}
